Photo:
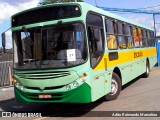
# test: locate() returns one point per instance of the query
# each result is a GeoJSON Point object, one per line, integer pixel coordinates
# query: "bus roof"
{"type": "Point", "coordinates": [87, 7]}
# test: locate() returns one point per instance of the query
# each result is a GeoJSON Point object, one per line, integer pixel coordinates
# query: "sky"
{"type": "Point", "coordinates": [10, 7]}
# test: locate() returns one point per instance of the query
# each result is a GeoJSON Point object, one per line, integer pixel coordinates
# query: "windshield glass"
{"type": "Point", "coordinates": [61, 45]}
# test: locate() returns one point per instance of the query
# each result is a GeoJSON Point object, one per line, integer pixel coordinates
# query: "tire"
{"type": "Point", "coordinates": [115, 88]}
{"type": "Point", "coordinates": [146, 74]}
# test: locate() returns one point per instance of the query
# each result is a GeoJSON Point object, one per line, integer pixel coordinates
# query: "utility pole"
{"type": "Point", "coordinates": [154, 20]}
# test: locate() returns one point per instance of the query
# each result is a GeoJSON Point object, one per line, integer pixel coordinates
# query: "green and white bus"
{"type": "Point", "coordinates": [77, 53]}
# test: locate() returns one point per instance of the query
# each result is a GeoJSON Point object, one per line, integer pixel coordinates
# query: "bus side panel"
{"type": "Point", "coordinates": [131, 70]}
{"type": "Point", "coordinates": [152, 61]}
{"type": "Point", "coordinates": [101, 80]}
{"type": "Point", "coordinates": [97, 86]}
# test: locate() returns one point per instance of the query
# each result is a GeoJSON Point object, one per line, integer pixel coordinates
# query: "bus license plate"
{"type": "Point", "coordinates": [44, 96]}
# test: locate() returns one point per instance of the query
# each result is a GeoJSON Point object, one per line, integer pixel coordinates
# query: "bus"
{"type": "Point", "coordinates": [77, 53]}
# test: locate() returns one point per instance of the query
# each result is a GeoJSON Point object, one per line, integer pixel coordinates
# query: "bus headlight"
{"type": "Point", "coordinates": [21, 87]}
{"type": "Point", "coordinates": [82, 79]}
{"type": "Point", "coordinates": [17, 85]}
{"type": "Point", "coordinates": [75, 84]}
{"type": "Point", "coordinates": [68, 87]}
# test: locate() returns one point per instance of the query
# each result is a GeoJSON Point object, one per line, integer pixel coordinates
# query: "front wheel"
{"type": "Point", "coordinates": [115, 88]}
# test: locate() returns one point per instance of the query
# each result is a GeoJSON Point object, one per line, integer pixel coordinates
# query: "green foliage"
{"type": "Point", "coordinates": [56, 1]}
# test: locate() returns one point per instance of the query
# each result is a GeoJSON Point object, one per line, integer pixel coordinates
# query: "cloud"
{"type": "Point", "coordinates": [8, 9]}
{"type": "Point", "coordinates": [15, 2]}
{"type": "Point", "coordinates": [158, 29]}
{"type": "Point", "coordinates": [143, 19]}
{"type": "Point", "coordinates": [139, 20]}
{"type": "Point", "coordinates": [1, 22]}
{"type": "Point", "coordinates": [147, 21]}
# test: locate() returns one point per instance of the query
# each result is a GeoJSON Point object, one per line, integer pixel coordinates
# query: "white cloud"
{"type": "Point", "coordinates": [158, 29]}
{"type": "Point", "coordinates": [158, 33]}
{"type": "Point", "coordinates": [140, 20]}
{"type": "Point", "coordinates": [1, 22]}
{"type": "Point", "coordinates": [7, 10]}
{"type": "Point", "coordinates": [147, 21]}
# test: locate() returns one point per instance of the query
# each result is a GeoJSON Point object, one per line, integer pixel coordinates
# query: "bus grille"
{"type": "Point", "coordinates": [43, 75]}
{"type": "Point", "coordinates": [46, 88]}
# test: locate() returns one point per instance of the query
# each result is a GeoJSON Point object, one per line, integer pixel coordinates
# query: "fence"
{"type": "Point", "coordinates": [5, 73]}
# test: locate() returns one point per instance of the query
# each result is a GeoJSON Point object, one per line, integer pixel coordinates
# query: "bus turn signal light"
{"type": "Point", "coordinates": [84, 74]}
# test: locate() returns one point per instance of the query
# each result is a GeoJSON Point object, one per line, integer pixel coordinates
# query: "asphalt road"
{"type": "Point", "coordinates": [141, 94]}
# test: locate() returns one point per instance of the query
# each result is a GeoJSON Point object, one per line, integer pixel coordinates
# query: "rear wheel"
{"type": "Point", "coordinates": [146, 74]}
{"type": "Point", "coordinates": [115, 88]}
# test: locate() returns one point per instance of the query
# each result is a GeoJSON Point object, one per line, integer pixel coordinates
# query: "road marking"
{"type": "Point", "coordinates": [42, 118]}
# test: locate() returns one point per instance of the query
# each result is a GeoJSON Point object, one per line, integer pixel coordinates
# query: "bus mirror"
{"type": "Point", "coordinates": [3, 41]}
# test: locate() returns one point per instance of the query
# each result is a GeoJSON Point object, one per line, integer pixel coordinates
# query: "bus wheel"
{"type": "Point", "coordinates": [115, 88]}
{"type": "Point", "coordinates": [146, 74]}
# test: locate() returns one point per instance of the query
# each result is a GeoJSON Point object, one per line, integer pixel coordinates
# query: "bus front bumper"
{"type": "Point", "coordinates": [81, 94]}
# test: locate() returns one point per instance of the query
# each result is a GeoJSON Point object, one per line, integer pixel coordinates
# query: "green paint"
{"type": "Point", "coordinates": [42, 81]}
{"type": "Point", "coordinates": [82, 94]}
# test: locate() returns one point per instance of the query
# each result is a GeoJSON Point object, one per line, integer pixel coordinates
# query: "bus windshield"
{"type": "Point", "coordinates": [57, 46]}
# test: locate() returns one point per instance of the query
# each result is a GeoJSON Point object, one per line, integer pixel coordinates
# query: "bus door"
{"type": "Point", "coordinates": [96, 47]}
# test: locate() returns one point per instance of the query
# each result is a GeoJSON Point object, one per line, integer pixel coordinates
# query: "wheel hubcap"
{"type": "Point", "coordinates": [114, 87]}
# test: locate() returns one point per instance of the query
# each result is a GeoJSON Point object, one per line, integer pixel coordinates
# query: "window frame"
{"type": "Point", "coordinates": [115, 30]}
{"type": "Point", "coordinates": [144, 38]}
{"type": "Point", "coordinates": [139, 36]}
{"type": "Point", "coordinates": [134, 37]}
{"type": "Point", "coordinates": [122, 34]}
{"type": "Point", "coordinates": [129, 35]}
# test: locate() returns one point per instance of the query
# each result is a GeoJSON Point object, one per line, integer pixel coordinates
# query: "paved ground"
{"type": "Point", "coordinates": [141, 95]}
{"type": "Point", "coordinates": [6, 93]}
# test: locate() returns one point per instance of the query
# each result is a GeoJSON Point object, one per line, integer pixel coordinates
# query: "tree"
{"type": "Point", "coordinates": [56, 1]}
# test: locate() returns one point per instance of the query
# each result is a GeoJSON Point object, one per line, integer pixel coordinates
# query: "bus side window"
{"type": "Point", "coordinates": [135, 36]}
{"type": "Point", "coordinates": [121, 37]}
{"type": "Point", "coordinates": [140, 36]}
{"type": "Point", "coordinates": [149, 40]}
{"type": "Point", "coordinates": [129, 36]}
{"type": "Point", "coordinates": [95, 39]}
{"type": "Point", "coordinates": [152, 37]}
{"type": "Point", "coordinates": [111, 31]}
{"type": "Point", "coordinates": [144, 38]}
